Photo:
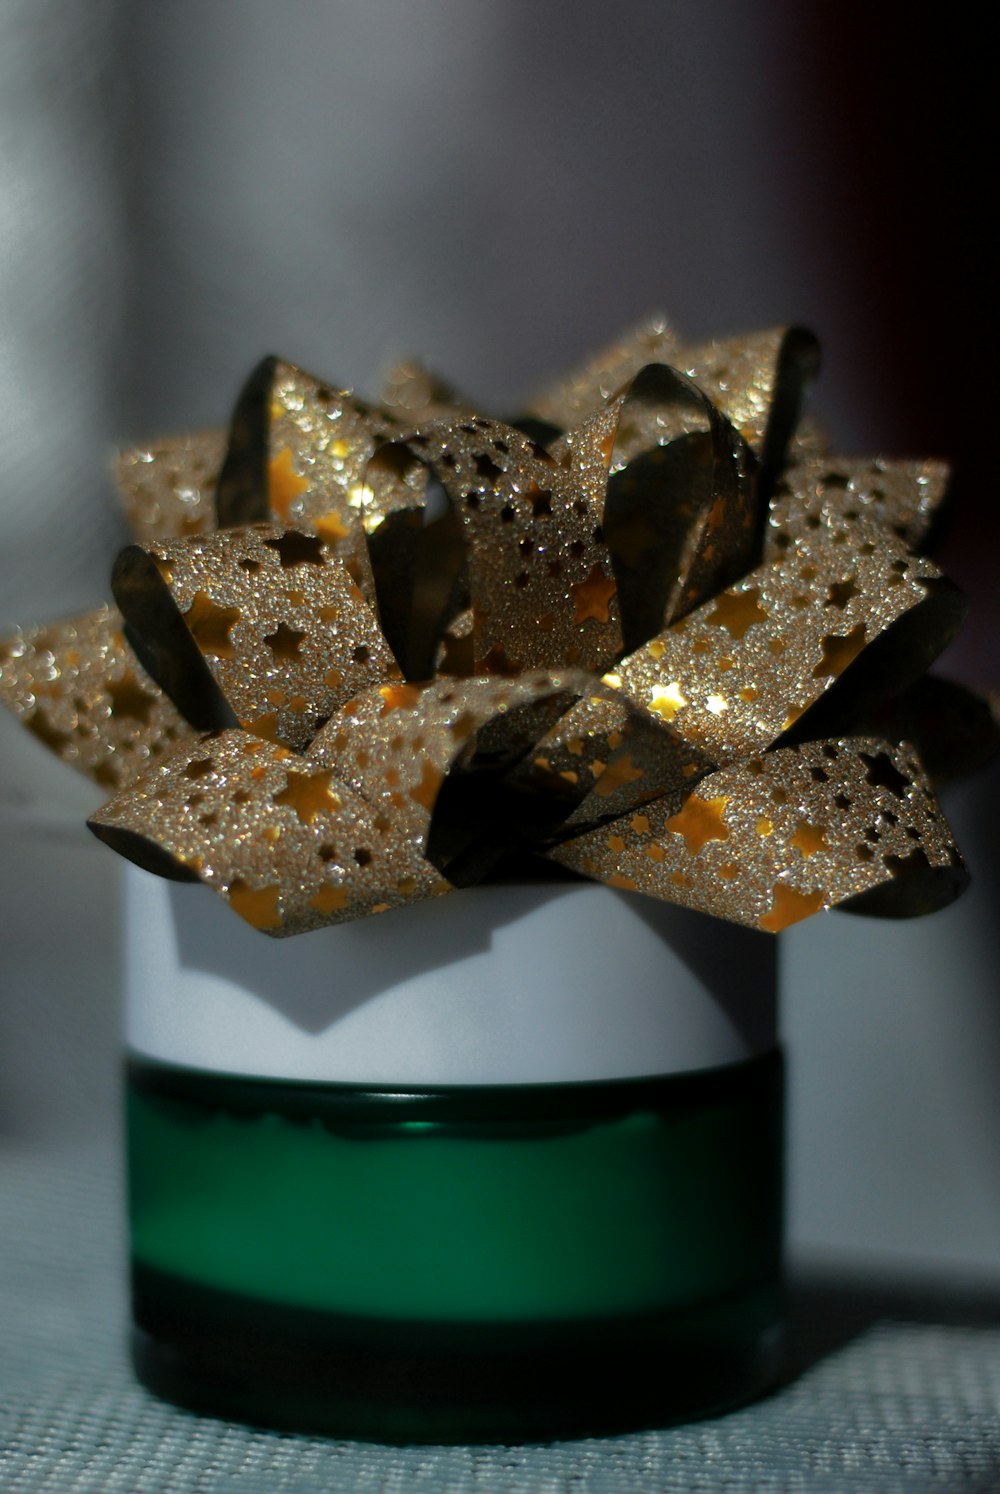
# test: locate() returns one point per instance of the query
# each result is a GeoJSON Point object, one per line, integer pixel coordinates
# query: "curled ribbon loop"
{"type": "Point", "coordinates": [650, 632]}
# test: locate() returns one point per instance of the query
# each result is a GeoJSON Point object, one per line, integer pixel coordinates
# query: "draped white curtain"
{"type": "Point", "coordinates": [497, 185]}
{"type": "Point", "coordinates": [62, 283]}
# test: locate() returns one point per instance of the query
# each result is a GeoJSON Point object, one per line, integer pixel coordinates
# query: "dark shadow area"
{"type": "Point", "coordinates": [737, 964]}
{"type": "Point", "coordinates": [912, 250]}
{"type": "Point", "coordinates": [287, 974]}
{"type": "Point", "coordinates": [829, 1309]}
{"type": "Point", "coordinates": [972, 806]}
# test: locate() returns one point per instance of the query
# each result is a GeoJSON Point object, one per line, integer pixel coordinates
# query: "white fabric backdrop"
{"type": "Point", "coordinates": [498, 186]}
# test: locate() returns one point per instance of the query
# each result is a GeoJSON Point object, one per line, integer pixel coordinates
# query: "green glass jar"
{"type": "Point", "coordinates": [503, 1167]}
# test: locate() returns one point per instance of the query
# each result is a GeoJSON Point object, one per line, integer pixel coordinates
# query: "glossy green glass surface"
{"type": "Point", "coordinates": [539, 1220]}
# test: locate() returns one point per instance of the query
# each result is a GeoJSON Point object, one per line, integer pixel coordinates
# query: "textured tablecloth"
{"type": "Point", "coordinates": [891, 1394]}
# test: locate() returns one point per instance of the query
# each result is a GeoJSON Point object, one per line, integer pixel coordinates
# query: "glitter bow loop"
{"type": "Point", "coordinates": [297, 841]}
{"type": "Point", "coordinates": [297, 450]}
{"type": "Point", "coordinates": [565, 554]}
{"type": "Point", "coordinates": [255, 626]}
{"type": "Point", "coordinates": [649, 632]}
{"type": "Point", "coordinates": [756, 381]}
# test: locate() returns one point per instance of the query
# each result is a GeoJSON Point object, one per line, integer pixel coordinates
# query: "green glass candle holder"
{"type": "Point", "coordinates": [497, 1255]}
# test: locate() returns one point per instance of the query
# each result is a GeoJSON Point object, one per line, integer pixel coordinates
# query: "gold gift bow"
{"type": "Point", "coordinates": [738, 597]}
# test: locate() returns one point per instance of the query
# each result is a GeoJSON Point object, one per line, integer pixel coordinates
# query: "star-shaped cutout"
{"type": "Point", "coordinates": [841, 592]}
{"type": "Point", "coordinates": [401, 697]}
{"type": "Point", "coordinates": [331, 527]}
{"type": "Point", "coordinates": [210, 625]}
{"type": "Point", "coordinates": [838, 652]}
{"type": "Point", "coordinates": [329, 899]}
{"type": "Point", "coordinates": [883, 773]}
{"type": "Point", "coordinates": [128, 698]}
{"type": "Point", "coordinates": [592, 597]}
{"type": "Point", "coordinates": [738, 610]}
{"type": "Point", "coordinates": [309, 794]}
{"type": "Point", "coordinates": [284, 643]}
{"type": "Point", "coordinates": [618, 773]}
{"type": "Point", "coordinates": [809, 838]}
{"type": "Point", "coordinates": [788, 907]}
{"type": "Point", "coordinates": [199, 767]}
{"type": "Point", "coordinates": [487, 468]}
{"type": "Point", "coordinates": [700, 821]}
{"type": "Point", "coordinates": [667, 701]}
{"type": "Point", "coordinates": [258, 905]}
{"type": "Point", "coordinates": [296, 548]}
{"type": "Point", "coordinates": [540, 500]}
{"type": "Point", "coordinates": [284, 484]}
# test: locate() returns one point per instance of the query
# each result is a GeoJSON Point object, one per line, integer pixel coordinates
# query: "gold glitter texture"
{"type": "Point", "coordinates": [322, 837]}
{"type": "Point", "coordinates": [288, 846]}
{"type": "Point", "coordinates": [847, 819]}
{"type": "Point", "coordinates": [168, 488]}
{"type": "Point", "coordinates": [756, 381]}
{"type": "Point", "coordinates": [298, 452]}
{"type": "Point", "coordinates": [78, 687]}
{"type": "Point", "coordinates": [749, 664]}
{"type": "Point", "coordinates": [904, 496]}
{"type": "Point", "coordinates": [329, 436]}
{"type": "Point", "coordinates": [270, 610]}
{"type": "Point", "coordinates": [570, 400]}
{"type": "Point", "coordinates": [398, 760]}
{"type": "Point", "coordinates": [678, 478]}
{"type": "Point", "coordinates": [537, 570]}
{"type": "Point", "coordinates": [427, 644]}
{"type": "Point", "coordinates": [605, 756]}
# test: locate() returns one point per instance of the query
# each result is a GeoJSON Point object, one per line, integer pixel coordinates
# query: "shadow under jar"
{"type": "Point", "coordinates": [506, 1166]}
